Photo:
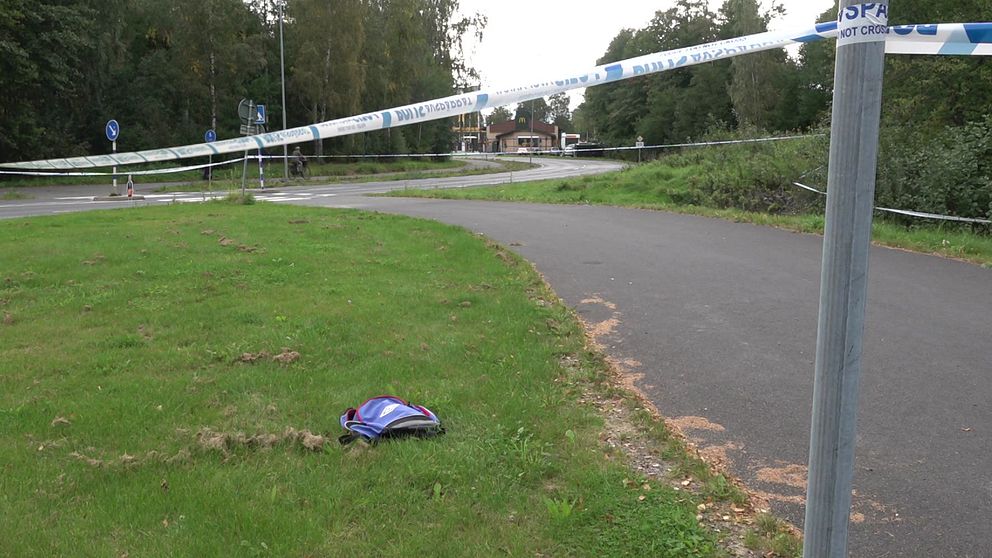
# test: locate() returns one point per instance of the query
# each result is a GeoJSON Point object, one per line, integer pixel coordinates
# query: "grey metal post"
{"type": "Point", "coordinates": [113, 147]}
{"type": "Point", "coordinates": [843, 288]}
{"type": "Point", "coordinates": [244, 167]}
{"type": "Point", "coordinates": [282, 77]}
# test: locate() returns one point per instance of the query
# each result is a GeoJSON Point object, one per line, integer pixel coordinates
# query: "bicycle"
{"type": "Point", "coordinates": [300, 169]}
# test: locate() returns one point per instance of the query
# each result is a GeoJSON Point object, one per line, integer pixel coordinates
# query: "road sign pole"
{"type": "Point", "coordinates": [113, 149]}
{"type": "Point", "coordinates": [244, 174]}
{"type": "Point", "coordinates": [113, 130]}
{"type": "Point", "coordinates": [261, 171]}
{"type": "Point", "coordinates": [844, 275]}
{"type": "Point", "coordinates": [210, 136]}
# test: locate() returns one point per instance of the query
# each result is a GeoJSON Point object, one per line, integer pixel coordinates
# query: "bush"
{"type": "Point", "coordinates": [754, 177]}
{"type": "Point", "coordinates": [947, 172]}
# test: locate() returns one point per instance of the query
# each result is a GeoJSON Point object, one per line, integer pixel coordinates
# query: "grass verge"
{"type": "Point", "coordinates": [670, 188]}
{"type": "Point", "coordinates": [11, 195]}
{"type": "Point", "coordinates": [171, 381]}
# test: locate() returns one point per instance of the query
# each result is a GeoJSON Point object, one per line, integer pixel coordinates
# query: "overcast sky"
{"type": "Point", "coordinates": [572, 34]}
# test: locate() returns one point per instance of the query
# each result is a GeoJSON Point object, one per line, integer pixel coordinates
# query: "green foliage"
{"type": "Point", "coordinates": [771, 537]}
{"type": "Point", "coordinates": [756, 81]}
{"type": "Point", "coordinates": [934, 139]}
{"type": "Point", "coordinates": [948, 172]}
{"type": "Point", "coordinates": [237, 198]}
{"type": "Point", "coordinates": [754, 177]}
{"type": "Point", "coordinates": [559, 510]}
{"type": "Point", "coordinates": [167, 71]}
{"type": "Point", "coordinates": [328, 76]}
{"type": "Point", "coordinates": [537, 109]}
{"type": "Point", "coordinates": [500, 114]}
{"type": "Point", "coordinates": [42, 52]}
{"type": "Point", "coordinates": [559, 112]}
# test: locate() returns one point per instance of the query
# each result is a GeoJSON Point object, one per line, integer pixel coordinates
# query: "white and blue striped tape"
{"type": "Point", "coordinates": [907, 212]}
{"type": "Point", "coordinates": [969, 38]}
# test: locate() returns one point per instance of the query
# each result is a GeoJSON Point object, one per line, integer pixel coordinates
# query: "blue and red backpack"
{"type": "Point", "coordinates": [388, 417]}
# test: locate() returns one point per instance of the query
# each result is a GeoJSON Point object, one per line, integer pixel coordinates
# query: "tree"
{"type": "Point", "coordinates": [559, 112]}
{"type": "Point", "coordinates": [536, 108]}
{"type": "Point", "coordinates": [756, 79]}
{"type": "Point", "coordinates": [500, 114]}
{"type": "Point", "coordinates": [670, 106]}
{"type": "Point", "coordinates": [42, 45]}
{"type": "Point", "coordinates": [327, 75]}
{"type": "Point", "coordinates": [413, 53]}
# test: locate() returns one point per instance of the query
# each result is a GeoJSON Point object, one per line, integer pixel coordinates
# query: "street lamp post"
{"type": "Point", "coordinates": [530, 151]}
{"type": "Point", "coordinates": [282, 76]}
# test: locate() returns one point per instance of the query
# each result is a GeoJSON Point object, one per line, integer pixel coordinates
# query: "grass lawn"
{"type": "Point", "coordinates": [664, 187]}
{"type": "Point", "coordinates": [171, 380]}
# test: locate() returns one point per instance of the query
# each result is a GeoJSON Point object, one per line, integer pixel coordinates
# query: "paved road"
{"type": "Point", "coordinates": [718, 320]}
{"type": "Point", "coordinates": [47, 200]}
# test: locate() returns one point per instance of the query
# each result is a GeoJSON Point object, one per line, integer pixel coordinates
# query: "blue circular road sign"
{"type": "Point", "coordinates": [113, 130]}
{"type": "Point", "coordinates": [210, 136]}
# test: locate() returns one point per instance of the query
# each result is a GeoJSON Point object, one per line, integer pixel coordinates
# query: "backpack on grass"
{"type": "Point", "coordinates": [388, 417]}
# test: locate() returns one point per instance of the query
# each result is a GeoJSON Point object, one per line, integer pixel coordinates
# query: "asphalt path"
{"type": "Point", "coordinates": [717, 322]}
{"type": "Point", "coordinates": [48, 200]}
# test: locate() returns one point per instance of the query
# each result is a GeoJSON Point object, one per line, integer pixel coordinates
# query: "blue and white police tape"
{"type": "Point", "coordinates": [456, 154]}
{"type": "Point", "coordinates": [477, 154]}
{"type": "Point", "coordinates": [909, 213]}
{"type": "Point", "coordinates": [915, 39]}
{"type": "Point", "coordinates": [170, 170]}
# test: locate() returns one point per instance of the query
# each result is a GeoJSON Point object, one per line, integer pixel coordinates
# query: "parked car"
{"type": "Point", "coordinates": [589, 149]}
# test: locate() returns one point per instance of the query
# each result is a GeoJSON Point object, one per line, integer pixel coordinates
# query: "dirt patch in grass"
{"type": "Point", "coordinates": [287, 356]}
{"type": "Point", "coordinates": [205, 440]}
{"type": "Point", "coordinates": [227, 442]}
{"type": "Point", "coordinates": [623, 433]}
{"type": "Point", "coordinates": [629, 417]}
{"type": "Point", "coordinates": [251, 358]}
